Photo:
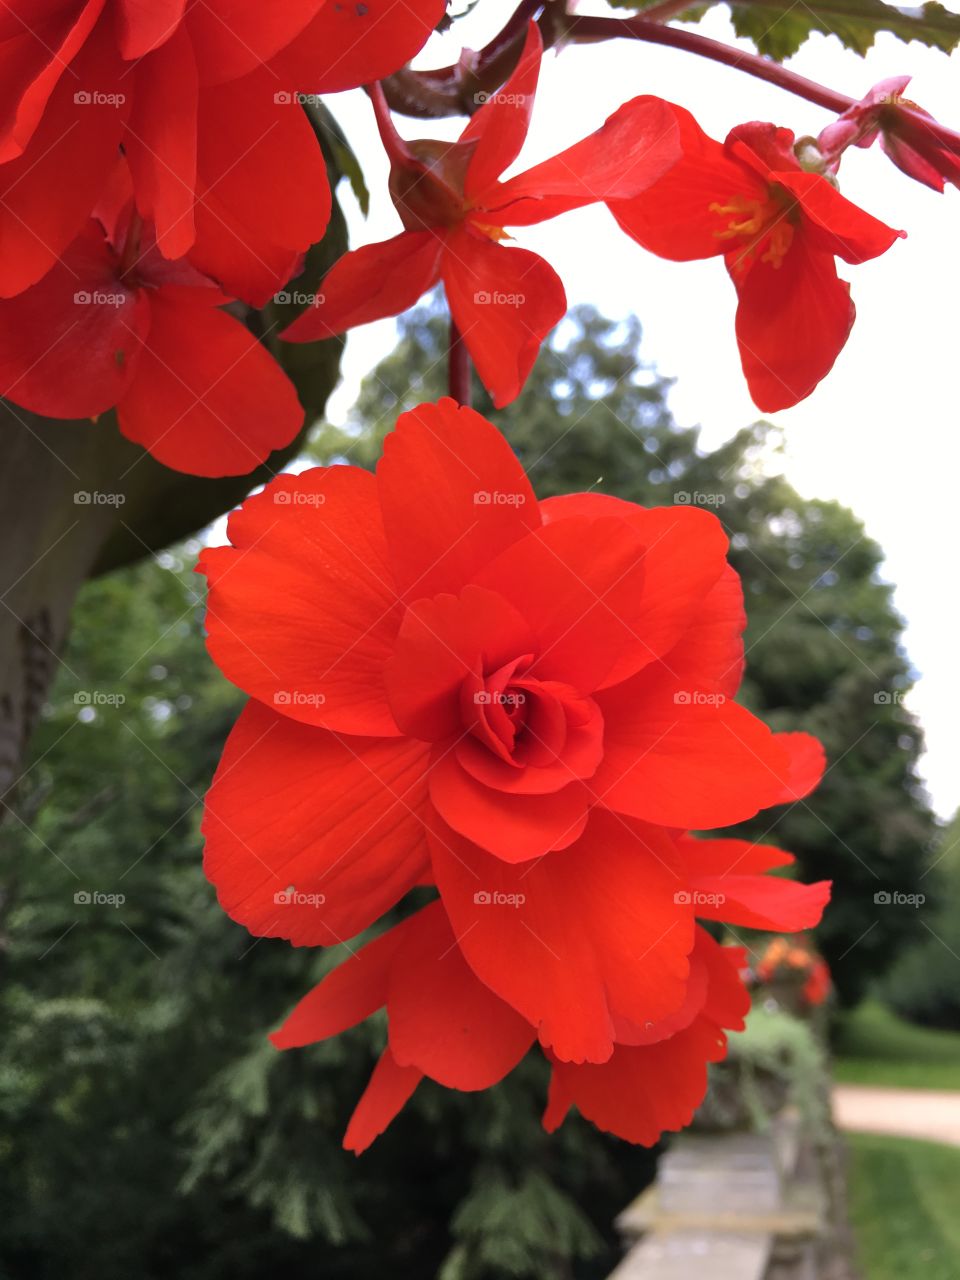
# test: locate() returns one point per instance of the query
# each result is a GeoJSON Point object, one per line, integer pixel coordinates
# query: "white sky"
{"type": "Point", "coordinates": [880, 433]}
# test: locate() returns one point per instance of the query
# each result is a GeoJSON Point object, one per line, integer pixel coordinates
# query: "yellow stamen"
{"type": "Point", "coordinates": [755, 221]}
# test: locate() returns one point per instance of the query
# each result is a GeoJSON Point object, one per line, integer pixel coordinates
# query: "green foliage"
{"type": "Point", "coordinates": [925, 983]}
{"type": "Point", "coordinates": [874, 1046]}
{"type": "Point", "coordinates": [776, 1060]}
{"type": "Point", "coordinates": [778, 28]}
{"type": "Point", "coordinates": [903, 1208]}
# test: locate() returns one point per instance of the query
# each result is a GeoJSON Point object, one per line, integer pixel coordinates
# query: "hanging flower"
{"type": "Point", "coordinates": [504, 301]}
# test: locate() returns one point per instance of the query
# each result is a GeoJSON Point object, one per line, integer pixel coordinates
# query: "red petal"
{"type": "Point", "coordinates": [728, 883]}
{"type": "Point", "coordinates": [311, 837]}
{"type": "Point", "coordinates": [233, 37]}
{"type": "Point", "coordinates": [684, 757]}
{"type": "Point", "coordinates": [442, 1019]}
{"type": "Point", "coordinates": [208, 399]}
{"type": "Point", "coordinates": [674, 218]}
{"type": "Point", "coordinates": [792, 323]}
{"type": "Point", "coordinates": [515, 827]}
{"type": "Point", "coordinates": [684, 565]}
{"type": "Point", "coordinates": [596, 928]}
{"type": "Point", "coordinates": [371, 283]}
{"type": "Point", "coordinates": [352, 44]}
{"type": "Point", "coordinates": [504, 302]}
{"type": "Point", "coordinates": [262, 187]}
{"type": "Point", "coordinates": [47, 194]}
{"type": "Point", "coordinates": [351, 992]}
{"type": "Point", "coordinates": [635, 147]}
{"type": "Point", "coordinates": [838, 225]}
{"type": "Point", "coordinates": [579, 584]}
{"type": "Point", "coordinates": [301, 611]}
{"type": "Point", "coordinates": [642, 1092]}
{"type": "Point", "coordinates": [161, 143]}
{"type": "Point", "coordinates": [143, 25]}
{"type": "Point", "coordinates": [500, 127]}
{"type": "Point", "coordinates": [441, 641]}
{"type": "Point", "coordinates": [69, 346]}
{"type": "Point", "coordinates": [389, 1089]}
{"type": "Point", "coordinates": [453, 496]}
{"type": "Point", "coordinates": [806, 761]}
{"type": "Point", "coordinates": [33, 57]}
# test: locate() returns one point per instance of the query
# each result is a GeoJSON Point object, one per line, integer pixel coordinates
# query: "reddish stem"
{"type": "Point", "coordinates": [589, 29]}
{"type": "Point", "coordinates": [451, 90]}
{"type": "Point", "coordinates": [458, 368]}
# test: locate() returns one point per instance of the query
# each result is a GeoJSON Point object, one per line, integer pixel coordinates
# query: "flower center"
{"type": "Point", "coordinates": [763, 226]}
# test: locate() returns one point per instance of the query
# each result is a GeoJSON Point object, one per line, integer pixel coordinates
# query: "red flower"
{"type": "Point", "coordinates": [448, 679]}
{"type": "Point", "coordinates": [446, 1025]}
{"type": "Point", "coordinates": [202, 99]}
{"type": "Point", "coordinates": [817, 986]}
{"type": "Point", "coordinates": [900, 125]}
{"type": "Point", "coordinates": [779, 229]}
{"type": "Point", "coordinates": [115, 324]}
{"type": "Point", "coordinates": [454, 208]}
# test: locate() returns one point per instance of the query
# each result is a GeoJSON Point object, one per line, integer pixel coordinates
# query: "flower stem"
{"type": "Point", "coordinates": [458, 366]}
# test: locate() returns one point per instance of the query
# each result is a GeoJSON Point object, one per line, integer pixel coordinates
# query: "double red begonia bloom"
{"type": "Point", "coordinates": [116, 324]}
{"type": "Point", "coordinates": [904, 136]}
{"type": "Point", "coordinates": [202, 98]}
{"type": "Point", "coordinates": [452, 683]}
{"type": "Point", "coordinates": [447, 1026]}
{"type": "Point", "coordinates": [779, 229]}
{"type": "Point", "coordinates": [455, 208]}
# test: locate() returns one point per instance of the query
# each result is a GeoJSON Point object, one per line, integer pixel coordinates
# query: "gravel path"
{"type": "Point", "coordinates": [906, 1113]}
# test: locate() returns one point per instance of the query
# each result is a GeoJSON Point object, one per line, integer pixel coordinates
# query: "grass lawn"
{"type": "Point", "coordinates": [903, 1208]}
{"type": "Point", "coordinates": [874, 1046]}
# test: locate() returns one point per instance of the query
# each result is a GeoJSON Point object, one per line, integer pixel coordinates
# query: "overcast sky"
{"type": "Point", "coordinates": [880, 434]}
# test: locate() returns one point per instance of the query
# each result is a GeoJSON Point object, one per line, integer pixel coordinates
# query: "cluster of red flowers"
{"type": "Point", "coordinates": [525, 706]}
{"type": "Point", "coordinates": [795, 962]}
{"type": "Point", "coordinates": [155, 164]}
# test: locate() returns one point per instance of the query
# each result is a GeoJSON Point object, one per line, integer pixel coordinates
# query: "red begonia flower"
{"type": "Point", "coordinates": [204, 98]}
{"type": "Point", "coordinates": [899, 124]}
{"type": "Point", "coordinates": [430, 651]}
{"type": "Point", "coordinates": [779, 229]}
{"type": "Point", "coordinates": [116, 324]}
{"type": "Point", "coordinates": [454, 208]}
{"type": "Point", "coordinates": [443, 1023]}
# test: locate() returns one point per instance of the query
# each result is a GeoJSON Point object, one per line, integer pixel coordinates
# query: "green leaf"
{"type": "Point", "coordinates": [779, 27]}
